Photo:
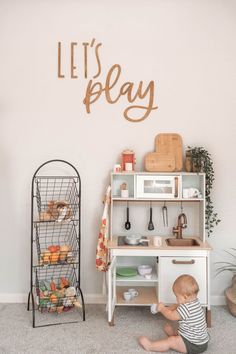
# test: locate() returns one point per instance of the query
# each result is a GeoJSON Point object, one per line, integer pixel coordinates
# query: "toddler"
{"type": "Point", "coordinates": [191, 336]}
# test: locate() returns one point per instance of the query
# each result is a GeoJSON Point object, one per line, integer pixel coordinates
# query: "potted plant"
{"type": "Point", "coordinates": [198, 159]}
{"type": "Point", "coordinates": [230, 293]}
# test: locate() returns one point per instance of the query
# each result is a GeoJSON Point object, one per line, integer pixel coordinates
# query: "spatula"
{"type": "Point", "coordinates": [150, 224]}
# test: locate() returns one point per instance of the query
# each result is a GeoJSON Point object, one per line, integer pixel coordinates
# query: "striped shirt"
{"type": "Point", "coordinates": [192, 325]}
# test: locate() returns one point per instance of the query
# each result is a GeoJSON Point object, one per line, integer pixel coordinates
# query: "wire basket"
{"type": "Point", "coordinates": [57, 243]}
{"type": "Point", "coordinates": [56, 288]}
{"type": "Point", "coordinates": [57, 198]}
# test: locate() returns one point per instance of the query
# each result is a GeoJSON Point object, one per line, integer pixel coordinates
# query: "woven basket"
{"type": "Point", "coordinates": [230, 297]}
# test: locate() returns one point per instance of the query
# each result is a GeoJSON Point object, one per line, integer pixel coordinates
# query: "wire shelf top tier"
{"type": "Point", "coordinates": [57, 198]}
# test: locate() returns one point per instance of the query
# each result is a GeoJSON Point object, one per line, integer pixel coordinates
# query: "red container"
{"type": "Point", "coordinates": [128, 156]}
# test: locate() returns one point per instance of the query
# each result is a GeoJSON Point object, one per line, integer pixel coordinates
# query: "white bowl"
{"type": "Point", "coordinates": [144, 269]}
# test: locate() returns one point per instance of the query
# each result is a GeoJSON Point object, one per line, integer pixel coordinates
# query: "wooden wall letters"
{"type": "Point", "coordinates": [94, 89]}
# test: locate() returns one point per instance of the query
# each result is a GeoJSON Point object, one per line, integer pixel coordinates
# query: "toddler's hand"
{"type": "Point", "coordinates": [160, 306]}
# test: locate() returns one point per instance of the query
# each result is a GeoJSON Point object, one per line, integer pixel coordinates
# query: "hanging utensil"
{"type": "Point", "coordinates": [165, 214]}
{"type": "Point", "coordinates": [127, 223]}
{"type": "Point", "coordinates": [150, 224]}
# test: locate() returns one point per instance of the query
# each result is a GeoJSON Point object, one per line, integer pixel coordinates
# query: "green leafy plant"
{"type": "Point", "coordinates": [201, 161]}
{"type": "Point", "coordinates": [228, 266]}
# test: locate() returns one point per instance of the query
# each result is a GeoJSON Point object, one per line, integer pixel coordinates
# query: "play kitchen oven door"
{"type": "Point", "coordinates": [151, 186]}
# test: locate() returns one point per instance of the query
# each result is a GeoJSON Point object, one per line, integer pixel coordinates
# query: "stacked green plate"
{"type": "Point", "coordinates": [126, 271]}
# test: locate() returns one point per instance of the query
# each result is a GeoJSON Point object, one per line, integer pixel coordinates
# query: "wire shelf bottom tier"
{"type": "Point", "coordinates": [45, 318]}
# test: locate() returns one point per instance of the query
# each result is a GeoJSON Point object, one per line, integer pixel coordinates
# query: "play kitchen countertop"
{"type": "Point", "coordinates": [113, 244]}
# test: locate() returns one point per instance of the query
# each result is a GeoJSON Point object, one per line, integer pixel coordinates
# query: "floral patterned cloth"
{"type": "Point", "coordinates": [102, 251]}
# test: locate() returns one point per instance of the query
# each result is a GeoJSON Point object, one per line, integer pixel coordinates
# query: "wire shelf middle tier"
{"type": "Point", "coordinates": [57, 243]}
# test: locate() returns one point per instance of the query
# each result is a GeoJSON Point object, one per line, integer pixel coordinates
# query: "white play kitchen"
{"type": "Point", "coordinates": [157, 231]}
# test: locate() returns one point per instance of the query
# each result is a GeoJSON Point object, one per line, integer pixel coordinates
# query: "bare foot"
{"type": "Point", "coordinates": [169, 330]}
{"type": "Point", "coordinates": [145, 343]}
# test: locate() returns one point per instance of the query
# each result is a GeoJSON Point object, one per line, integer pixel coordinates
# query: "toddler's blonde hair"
{"type": "Point", "coordinates": [186, 285]}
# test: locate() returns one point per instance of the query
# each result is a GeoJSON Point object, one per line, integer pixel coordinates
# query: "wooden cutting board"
{"type": "Point", "coordinates": [159, 162]}
{"type": "Point", "coordinates": [171, 143]}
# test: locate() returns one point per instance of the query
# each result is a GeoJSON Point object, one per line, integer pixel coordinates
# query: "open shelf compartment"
{"type": "Point", "coordinates": [147, 296]}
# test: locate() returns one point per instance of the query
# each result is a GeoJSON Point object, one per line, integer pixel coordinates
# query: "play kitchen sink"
{"type": "Point", "coordinates": [183, 242]}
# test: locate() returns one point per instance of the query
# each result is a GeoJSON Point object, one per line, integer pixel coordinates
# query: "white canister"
{"type": "Point", "coordinates": [124, 193]}
{"type": "Point", "coordinates": [128, 166]}
{"type": "Point", "coordinates": [157, 241]}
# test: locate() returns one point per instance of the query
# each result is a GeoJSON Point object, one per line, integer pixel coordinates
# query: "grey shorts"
{"type": "Point", "coordinates": [194, 348]}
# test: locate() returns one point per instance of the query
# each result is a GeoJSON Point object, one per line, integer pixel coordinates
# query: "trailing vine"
{"type": "Point", "coordinates": [201, 161]}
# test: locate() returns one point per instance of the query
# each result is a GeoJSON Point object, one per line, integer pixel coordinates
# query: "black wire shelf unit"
{"type": "Point", "coordinates": [55, 292]}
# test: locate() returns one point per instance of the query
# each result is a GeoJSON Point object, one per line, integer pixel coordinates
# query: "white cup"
{"type": "Point", "coordinates": [157, 241]}
{"type": "Point", "coordinates": [193, 193]}
{"type": "Point", "coordinates": [127, 296]}
{"type": "Point", "coordinates": [133, 292]}
{"type": "Point", "coordinates": [148, 276]}
{"type": "Point", "coordinates": [124, 193]}
{"type": "Point", "coordinates": [153, 309]}
{"type": "Point", "coordinates": [128, 166]}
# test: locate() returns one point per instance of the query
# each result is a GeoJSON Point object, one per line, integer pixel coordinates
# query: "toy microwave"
{"type": "Point", "coordinates": [158, 187]}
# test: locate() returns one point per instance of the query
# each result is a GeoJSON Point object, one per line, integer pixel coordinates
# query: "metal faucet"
{"type": "Point", "coordinates": [182, 224]}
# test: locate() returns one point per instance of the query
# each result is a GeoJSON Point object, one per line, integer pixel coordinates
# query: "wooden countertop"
{"type": "Point", "coordinates": [112, 244]}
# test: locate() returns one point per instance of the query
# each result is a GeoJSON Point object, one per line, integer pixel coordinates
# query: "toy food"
{"type": "Point", "coordinates": [44, 285]}
{"type": "Point", "coordinates": [70, 292]}
{"type": "Point", "coordinates": [56, 211]}
{"type": "Point", "coordinates": [45, 216]}
{"type": "Point", "coordinates": [53, 285]}
{"type": "Point", "coordinates": [45, 257]}
{"type": "Point", "coordinates": [77, 304]}
{"type": "Point", "coordinates": [67, 302]}
{"type": "Point", "coordinates": [54, 257]}
{"type": "Point", "coordinates": [53, 249]}
{"type": "Point", "coordinates": [59, 210]}
{"type": "Point", "coordinates": [60, 309]}
{"type": "Point", "coordinates": [43, 302]}
{"type": "Point", "coordinates": [61, 293]}
{"type": "Point", "coordinates": [63, 252]}
{"type": "Point", "coordinates": [52, 309]}
{"type": "Point", "coordinates": [70, 258]}
{"type": "Point", "coordinates": [64, 283]}
{"type": "Point", "coordinates": [53, 298]}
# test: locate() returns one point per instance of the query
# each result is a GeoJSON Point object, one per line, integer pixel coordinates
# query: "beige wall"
{"type": "Point", "coordinates": [187, 47]}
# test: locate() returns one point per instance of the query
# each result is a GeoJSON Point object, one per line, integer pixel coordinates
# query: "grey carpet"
{"type": "Point", "coordinates": [95, 336]}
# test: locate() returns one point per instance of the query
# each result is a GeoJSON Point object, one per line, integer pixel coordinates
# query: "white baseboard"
{"type": "Point", "coordinates": [13, 298]}
{"type": "Point", "coordinates": [22, 298]}
{"type": "Point", "coordinates": [94, 299]}
{"type": "Point", "coordinates": [217, 300]}
{"type": "Point", "coordinates": [88, 299]}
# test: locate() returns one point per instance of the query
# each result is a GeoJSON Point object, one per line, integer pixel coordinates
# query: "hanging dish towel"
{"type": "Point", "coordinates": [102, 252]}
